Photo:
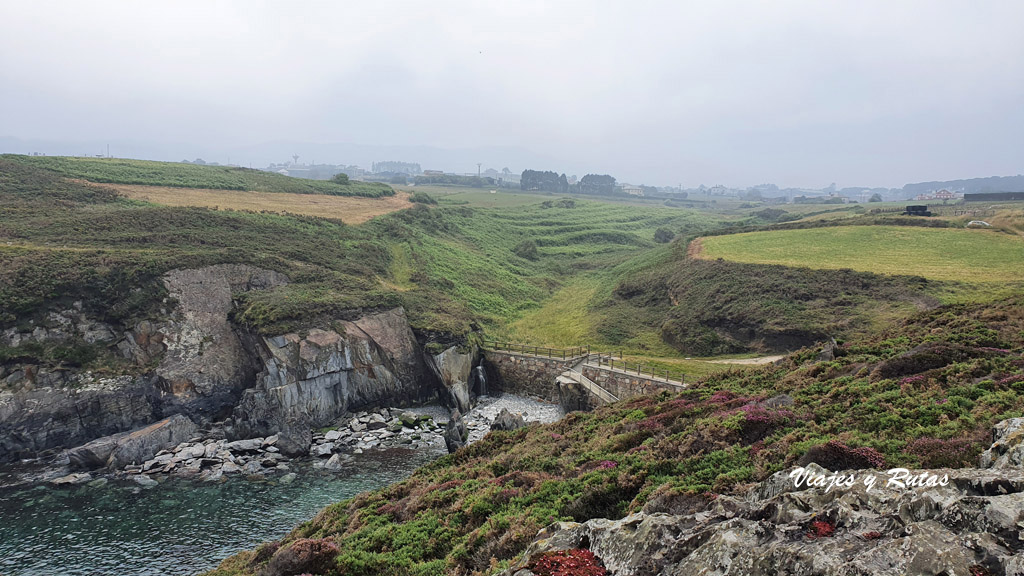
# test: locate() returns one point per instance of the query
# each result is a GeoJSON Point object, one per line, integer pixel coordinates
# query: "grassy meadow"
{"type": "Point", "coordinates": [963, 255]}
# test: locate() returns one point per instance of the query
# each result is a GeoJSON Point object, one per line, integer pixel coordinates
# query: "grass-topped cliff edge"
{"type": "Point", "coordinates": [921, 394]}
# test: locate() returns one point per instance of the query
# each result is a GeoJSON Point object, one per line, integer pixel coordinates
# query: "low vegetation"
{"type": "Point", "coordinates": [922, 394]}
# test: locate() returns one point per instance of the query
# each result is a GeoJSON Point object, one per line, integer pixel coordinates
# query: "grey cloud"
{"type": "Point", "coordinates": [801, 93]}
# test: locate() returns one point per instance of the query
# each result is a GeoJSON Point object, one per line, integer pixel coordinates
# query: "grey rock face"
{"type": "Point", "coordinates": [311, 380]}
{"type": "Point", "coordinates": [203, 366]}
{"type": "Point", "coordinates": [1007, 450]}
{"type": "Point", "coordinates": [973, 521]}
{"type": "Point", "coordinates": [454, 368]}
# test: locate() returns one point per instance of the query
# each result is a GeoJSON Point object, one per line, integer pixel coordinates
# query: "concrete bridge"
{"type": "Point", "coordinates": [574, 377]}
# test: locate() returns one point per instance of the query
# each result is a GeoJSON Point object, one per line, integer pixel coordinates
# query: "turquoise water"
{"type": "Point", "coordinates": [178, 527]}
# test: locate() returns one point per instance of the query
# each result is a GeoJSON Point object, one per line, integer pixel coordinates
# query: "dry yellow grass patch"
{"type": "Point", "coordinates": [348, 209]}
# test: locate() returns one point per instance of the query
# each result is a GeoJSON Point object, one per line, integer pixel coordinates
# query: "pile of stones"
{"type": "Point", "coordinates": [377, 429]}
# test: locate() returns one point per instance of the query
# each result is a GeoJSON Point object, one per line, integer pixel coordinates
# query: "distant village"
{"type": "Point", "coordinates": [412, 174]}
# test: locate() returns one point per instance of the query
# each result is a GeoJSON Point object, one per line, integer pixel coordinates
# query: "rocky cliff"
{"type": "Point", "coordinates": [193, 361]}
{"type": "Point", "coordinates": [815, 522]}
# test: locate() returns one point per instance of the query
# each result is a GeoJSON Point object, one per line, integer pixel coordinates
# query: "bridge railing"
{"type": "Point", "coordinates": [593, 387]}
{"type": "Point", "coordinates": [545, 351]}
{"type": "Point", "coordinates": [644, 370]}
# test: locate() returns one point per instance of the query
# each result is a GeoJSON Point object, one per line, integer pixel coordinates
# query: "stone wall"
{"type": "Point", "coordinates": [528, 375]}
{"type": "Point", "coordinates": [624, 385]}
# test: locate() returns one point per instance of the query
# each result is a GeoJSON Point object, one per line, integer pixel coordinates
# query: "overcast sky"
{"type": "Point", "coordinates": [738, 93]}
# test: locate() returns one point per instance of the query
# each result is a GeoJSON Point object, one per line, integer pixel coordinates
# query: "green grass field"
{"type": "Point", "coordinates": [935, 253]}
{"type": "Point", "coordinates": [180, 175]}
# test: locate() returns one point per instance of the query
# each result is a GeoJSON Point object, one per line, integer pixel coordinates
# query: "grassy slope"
{"type": "Point", "coordinates": [62, 241]}
{"type": "Point", "coordinates": [921, 394]}
{"type": "Point", "coordinates": [938, 254]}
{"type": "Point", "coordinates": [124, 171]}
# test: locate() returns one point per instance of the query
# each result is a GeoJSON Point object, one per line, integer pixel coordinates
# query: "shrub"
{"type": "Point", "coordinates": [835, 455]}
{"type": "Point", "coordinates": [526, 249]}
{"type": "Point", "coordinates": [422, 198]}
{"type": "Point", "coordinates": [340, 178]}
{"type": "Point", "coordinates": [663, 235]}
{"type": "Point", "coordinates": [576, 562]}
{"type": "Point", "coordinates": [936, 453]}
{"type": "Point", "coordinates": [304, 555]}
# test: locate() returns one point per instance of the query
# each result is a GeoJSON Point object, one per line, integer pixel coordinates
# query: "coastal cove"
{"type": "Point", "coordinates": [177, 527]}
{"type": "Point", "coordinates": [185, 525]}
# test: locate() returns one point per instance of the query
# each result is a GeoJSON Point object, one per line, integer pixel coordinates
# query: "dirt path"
{"type": "Point", "coordinates": [748, 361]}
{"type": "Point", "coordinates": [348, 209]}
{"type": "Point", "coordinates": [695, 248]}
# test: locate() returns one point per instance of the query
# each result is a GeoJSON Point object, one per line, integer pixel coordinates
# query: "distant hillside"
{"type": "Point", "coordinates": [179, 175]}
{"type": "Point", "coordinates": [990, 184]}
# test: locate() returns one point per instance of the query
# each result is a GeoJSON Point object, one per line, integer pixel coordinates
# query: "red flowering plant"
{"type": "Point", "coordinates": [577, 562]}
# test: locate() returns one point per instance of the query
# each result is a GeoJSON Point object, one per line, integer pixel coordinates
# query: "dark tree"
{"type": "Point", "coordinates": [601, 184]}
{"type": "Point", "coordinates": [546, 181]}
{"type": "Point", "coordinates": [340, 178]}
{"type": "Point", "coordinates": [876, 197]}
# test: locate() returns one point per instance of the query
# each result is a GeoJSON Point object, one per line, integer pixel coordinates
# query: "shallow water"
{"type": "Point", "coordinates": [178, 527]}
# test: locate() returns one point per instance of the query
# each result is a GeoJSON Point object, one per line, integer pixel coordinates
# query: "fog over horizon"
{"type": "Point", "coordinates": [800, 94]}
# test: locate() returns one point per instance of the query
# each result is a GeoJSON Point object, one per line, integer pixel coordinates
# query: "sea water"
{"type": "Point", "coordinates": [178, 527]}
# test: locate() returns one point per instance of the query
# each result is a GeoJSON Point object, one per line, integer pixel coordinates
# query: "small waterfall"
{"type": "Point", "coordinates": [481, 379]}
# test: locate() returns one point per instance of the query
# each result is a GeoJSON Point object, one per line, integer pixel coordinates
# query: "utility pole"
{"type": "Point", "coordinates": [478, 165]}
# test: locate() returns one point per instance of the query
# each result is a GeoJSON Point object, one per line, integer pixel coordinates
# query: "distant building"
{"type": "Point", "coordinates": [944, 195]}
{"type": "Point", "coordinates": [433, 172]}
{"type": "Point", "coordinates": [632, 190]}
{"type": "Point", "coordinates": [922, 197]}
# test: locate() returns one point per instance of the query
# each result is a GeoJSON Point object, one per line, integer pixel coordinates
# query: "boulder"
{"type": "Point", "coordinates": [334, 463]}
{"type": "Point", "coordinates": [332, 435]}
{"type": "Point", "coordinates": [294, 439]}
{"type": "Point", "coordinates": [247, 445]}
{"type": "Point", "coordinates": [144, 481]}
{"type": "Point", "coordinates": [508, 421]}
{"type": "Point", "coordinates": [134, 447]}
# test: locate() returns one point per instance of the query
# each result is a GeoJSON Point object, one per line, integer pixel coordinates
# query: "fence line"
{"type": "Point", "coordinates": [548, 352]}
{"type": "Point", "coordinates": [640, 369]}
{"type": "Point", "coordinates": [602, 360]}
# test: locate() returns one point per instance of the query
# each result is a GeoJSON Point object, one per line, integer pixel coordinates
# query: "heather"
{"type": "Point", "coordinates": [924, 393]}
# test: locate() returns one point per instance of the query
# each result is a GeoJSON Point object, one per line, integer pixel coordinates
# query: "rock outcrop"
{"type": "Point", "coordinates": [310, 380]}
{"type": "Point", "coordinates": [1008, 449]}
{"type": "Point", "coordinates": [971, 524]}
{"type": "Point", "coordinates": [194, 361]}
{"type": "Point", "coordinates": [454, 369]}
{"type": "Point", "coordinates": [455, 433]}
